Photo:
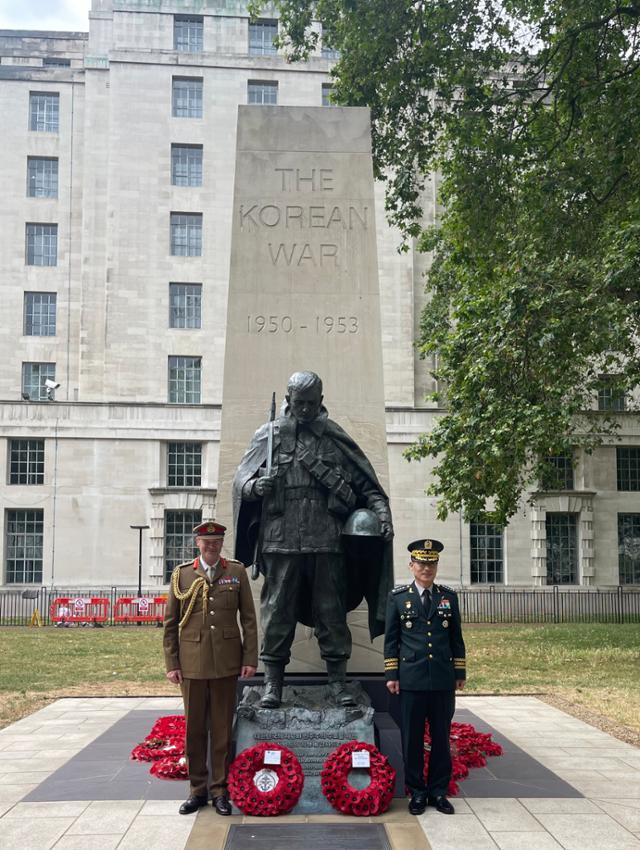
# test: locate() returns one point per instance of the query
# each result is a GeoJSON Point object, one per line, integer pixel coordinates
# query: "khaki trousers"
{"type": "Point", "coordinates": [209, 705]}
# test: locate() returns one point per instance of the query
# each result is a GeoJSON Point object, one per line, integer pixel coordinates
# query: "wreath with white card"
{"type": "Point", "coordinates": [376, 797]}
{"type": "Point", "coordinates": [265, 780]}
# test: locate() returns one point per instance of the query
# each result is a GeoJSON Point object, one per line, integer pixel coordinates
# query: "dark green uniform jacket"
{"type": "Point", "coordinates": [424, 650]}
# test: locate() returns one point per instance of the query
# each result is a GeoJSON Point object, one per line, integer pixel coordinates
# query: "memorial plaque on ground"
{"type": "Point", "coordinates": [303, 290]}
{"type": "Point", "coordinates": [309, 724]}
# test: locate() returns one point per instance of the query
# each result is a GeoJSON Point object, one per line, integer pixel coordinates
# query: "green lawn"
{"type": "Point", "coordinates": [592, 666]}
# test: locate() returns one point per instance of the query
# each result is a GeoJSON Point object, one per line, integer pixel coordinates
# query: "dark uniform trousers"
{"type": "Point", "coordinates": [322, 577]}
{"type": "Point", "coordinates": [209, 704]}
{"type": "Point", "coordinates": [425, 652]}
{"type": "Point", "coordinates": [437, 707]}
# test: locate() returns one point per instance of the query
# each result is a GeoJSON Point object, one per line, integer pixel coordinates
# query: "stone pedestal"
{"type": "Point", "coordinates": [309, 724]}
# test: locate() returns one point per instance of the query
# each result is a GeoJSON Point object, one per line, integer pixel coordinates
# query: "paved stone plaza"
{"type": "Point", "coordinates": [80, 744]}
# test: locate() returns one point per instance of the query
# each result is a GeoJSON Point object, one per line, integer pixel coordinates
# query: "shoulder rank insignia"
{"type": "Point", "coordinates": [446, 588]}
{"type": "Point", "coordinates": [400, 589]}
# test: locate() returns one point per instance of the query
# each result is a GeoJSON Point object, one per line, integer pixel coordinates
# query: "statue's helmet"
{"type": "Point", "coordinates": [362, 523]}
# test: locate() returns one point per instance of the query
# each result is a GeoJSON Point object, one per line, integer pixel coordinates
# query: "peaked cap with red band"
{"type": "Point", "coordinates": [210, 528]}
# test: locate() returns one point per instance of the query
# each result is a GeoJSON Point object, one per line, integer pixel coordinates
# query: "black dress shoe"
{"type": "Point", "coordinates": [221, 804]}
{"type": "Point", "coordinates": [442, 805]}
{"type": "Point", "coordinates": [192, 804]}
{"type": "Point", "coordinates": [418, 803]}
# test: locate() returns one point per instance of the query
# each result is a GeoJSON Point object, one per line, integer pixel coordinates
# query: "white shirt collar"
{"type": "Point", "coordinates": [420, 590]}
{"type": "Point", "coordinates": [209, 570]}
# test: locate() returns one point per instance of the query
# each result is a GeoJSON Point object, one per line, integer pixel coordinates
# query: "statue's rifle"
{"type": "Point", "coordinates": [255, 568]}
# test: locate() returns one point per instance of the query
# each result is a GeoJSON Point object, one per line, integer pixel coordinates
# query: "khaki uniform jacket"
{"type": "Point", "coordinates": [209, 645]}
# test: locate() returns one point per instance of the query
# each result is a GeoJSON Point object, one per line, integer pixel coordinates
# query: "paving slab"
{"type": "Point", "coordinates": [88, 842]}
{"type": "Point", "coordinates": [41, 834]}
{"type": "Point", "coordinates": [106, 817]}
{"type": "Point", "coordinates": [525, 841]}
{"type": "Point", "coordinates": [460, 832]}
{"type": "Point", "coordinates": [160, 833]}
{"type": "Point", "coordinates": [589, 832]}
{"type": "Point", "coordinates": [622, 812]}
{"type": "Point", "coordinates": [504, 815]}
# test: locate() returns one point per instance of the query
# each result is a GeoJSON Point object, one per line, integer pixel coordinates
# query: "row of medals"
{"type": "Point", "coordinates": [408, 622]}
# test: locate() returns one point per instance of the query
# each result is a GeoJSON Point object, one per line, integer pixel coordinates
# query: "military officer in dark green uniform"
{"type": "Point", "coordinates": [425, 663]}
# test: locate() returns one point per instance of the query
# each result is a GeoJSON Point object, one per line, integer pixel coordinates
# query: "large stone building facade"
{"type": "Point", "coordinates": [117, 166]}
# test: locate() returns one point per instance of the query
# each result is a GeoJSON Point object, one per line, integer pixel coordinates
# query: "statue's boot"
{"type": "Point", "coordinates": [273, 679]}
{"type": "Point", "coordinates": [337, 672]}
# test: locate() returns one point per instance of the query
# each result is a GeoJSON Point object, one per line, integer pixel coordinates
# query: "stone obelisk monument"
{"type": "Point", "coordinates": [303, 292]}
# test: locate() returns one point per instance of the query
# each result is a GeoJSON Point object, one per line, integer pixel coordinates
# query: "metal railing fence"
{"type": "Point", "coordinates": [482, 605]}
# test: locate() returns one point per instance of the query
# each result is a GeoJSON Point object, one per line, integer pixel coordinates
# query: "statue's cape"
{"type": "Point", "coordinates": [371, 579]}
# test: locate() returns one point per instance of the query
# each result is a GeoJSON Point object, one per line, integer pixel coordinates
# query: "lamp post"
{"type": "Point", "coordinates": [140, 530]}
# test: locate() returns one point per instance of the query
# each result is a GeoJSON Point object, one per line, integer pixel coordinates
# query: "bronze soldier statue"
{"type": "Point", "coordinates": [290, 510]}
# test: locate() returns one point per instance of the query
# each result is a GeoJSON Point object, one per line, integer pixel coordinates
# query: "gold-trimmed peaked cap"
{"type": "Point", "coordinates": [209, 528]}
{"type": "Point", "coordinates": [426, 550]}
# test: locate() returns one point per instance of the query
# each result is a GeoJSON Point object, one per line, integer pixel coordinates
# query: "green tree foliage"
{"type": "Point", "coordinates": [529, 112]}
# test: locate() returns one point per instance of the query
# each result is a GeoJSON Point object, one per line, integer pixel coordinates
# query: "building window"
{"type": "Point", "coordinates": [179, 544]}
{"type": "Point", "coordinates": [487, 557]}
{"type": "Point", "coordinates": [186, 165]}
{"type": "Point", "coordinates": [26, 461]}
{"type": "Point", "coordinates": [187, 97]}
{"type": "Point", "coordinates": [184, 380]}
{"type": "Point", "coordinates": [184, 464]}
{"type": "Point", "coordinates": [628, 459]}
{"type": "Point", "coordinates": [610, 398]}
{"type": "Point", "coordinates": [40, 314]}
{"type": "Point", "coordinates": [330, 53]}
{"type": "Point", "coordinates": [326, 94]}
{"type": "Point", "coordinates": [562, 548]}
{"type": "Point", "coordinates": [56, 62]}
{"type": "Point", "coordinates": [261, 37]}
{"type": "Point", "coordinates": [24, 546]}
{"type": "Point", "coordinates": [44, 111]}
{"type": "Point", "coordinates": [629, 548]}
{"type": "Point", "coordinates": [558, 474]}
{"type": "Point", "coordinates": [262, 93]}
{"type": "Point", "coordinates": [42, 244]}
{"type": "Point", "coordinates": [34, 376]}
{"type": "Point", "coordinates": [42, 177]}
{"type": "Point", "coordinates": [186, 234]}
{"type": "Point", "coordinates": [185, 305]}
{"type": "Point", "coordinates": [187, 33]}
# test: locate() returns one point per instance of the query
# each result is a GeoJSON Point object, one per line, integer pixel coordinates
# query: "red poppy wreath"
{"type": "Point", "coordinates": [372, 800]}
{"type": "Point", "coordinates": [164, 746]}
{"type": "Point", "coordinates": [468, 749]}
{"type": "Point", "coordinates": [265, 780]}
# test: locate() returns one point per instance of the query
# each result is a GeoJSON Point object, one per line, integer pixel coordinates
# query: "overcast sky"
{"type": "Point", "coordinates": [45, 14]}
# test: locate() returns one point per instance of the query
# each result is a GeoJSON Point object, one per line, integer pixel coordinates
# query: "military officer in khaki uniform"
{"type": "Point", "coordinates": [425, 663]}
{"type": "Point", "coordinates": [204, 654]}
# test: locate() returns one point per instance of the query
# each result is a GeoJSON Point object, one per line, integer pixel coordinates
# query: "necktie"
{"type": "Point", "coordinates": [426, 599]}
